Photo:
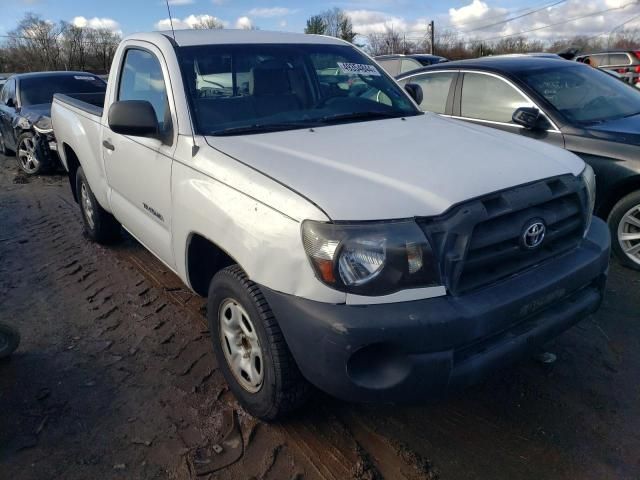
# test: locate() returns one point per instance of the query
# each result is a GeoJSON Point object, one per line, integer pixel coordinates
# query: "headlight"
{"type": "Point", "coordinates": [589, 179]}
{"type": "Point", "coordinates": [43, 126]}
{"type": "Point", "coordinates": [370, 259]}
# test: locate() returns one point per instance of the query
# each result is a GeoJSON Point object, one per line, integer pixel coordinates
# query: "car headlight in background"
{"type": "Point", "coordinates": [43, 126]}
{"type": "Point", "coordinates": [589, 179]}
{"type": "Point", "coordinates": [370, 259]}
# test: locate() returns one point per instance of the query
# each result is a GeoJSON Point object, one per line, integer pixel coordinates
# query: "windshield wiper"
{"type": "Point", "coordinates": [262, 128]}
{"type": "Point", "coordinates": [339, 117]}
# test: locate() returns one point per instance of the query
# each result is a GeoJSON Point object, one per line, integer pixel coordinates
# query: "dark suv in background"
{"type": "Point", "coordinates": [25, 114]}
{"type": "Point", "coordinates": [625, 62]}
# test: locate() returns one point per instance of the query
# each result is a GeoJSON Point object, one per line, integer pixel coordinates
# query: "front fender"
{"type": "Point", "coordinates": [265, 242]}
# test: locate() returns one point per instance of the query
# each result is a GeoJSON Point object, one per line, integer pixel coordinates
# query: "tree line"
{"type": "Point", "coordinates": [37, 44]}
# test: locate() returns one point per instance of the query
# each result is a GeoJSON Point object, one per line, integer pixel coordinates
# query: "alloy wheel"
{"type": "Point", "coordinates": [241, 345]}
{"type": "Point", "coordinates": [629, 234]}
{"type": "Point", "coordinates": [27, 155]}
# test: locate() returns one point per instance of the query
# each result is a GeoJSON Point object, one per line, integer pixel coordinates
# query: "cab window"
{"type": "Point", "coordinates": [142, 79]}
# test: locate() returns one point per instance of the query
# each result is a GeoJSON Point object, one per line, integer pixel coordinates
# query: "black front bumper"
{"type": "Point", "coordinates": [420, 350]}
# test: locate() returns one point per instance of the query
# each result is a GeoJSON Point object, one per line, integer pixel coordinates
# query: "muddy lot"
{"type": "Point", "coordinates": [115, 378]}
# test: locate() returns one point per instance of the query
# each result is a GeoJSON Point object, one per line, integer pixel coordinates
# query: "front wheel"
{"type": "Point", "coordinates": [9, 340]}
{"type": "Point", "coordinates": [624, 223]}
{"type": "Point", "coordinates": [250, 348]}
{"type": "Point", "coordinates": [31, 159]}
{"type": "Point", "coordinates": [99, 225]}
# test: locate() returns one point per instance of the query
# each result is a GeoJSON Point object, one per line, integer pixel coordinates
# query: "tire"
{"type": "Point", "coordinates": [9, 340]}
{"type": "Point", "coordinates": [99, 225]}
{"type": "Point", "coordinates": [31, 159]}
{"type": "Point", "coordinates": [624, 224]}
{"type": "Point", "coordinates": [276, 387]}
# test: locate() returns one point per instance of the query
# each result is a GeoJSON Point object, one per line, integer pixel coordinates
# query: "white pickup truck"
{"type": "Point", "coordinates": [344, 239]}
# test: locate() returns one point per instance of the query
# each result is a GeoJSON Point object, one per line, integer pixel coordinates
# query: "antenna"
{"type": "Point", "coordinates": [171, 20]}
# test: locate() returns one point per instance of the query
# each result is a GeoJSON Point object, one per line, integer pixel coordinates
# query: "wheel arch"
{"type": "Point", "coordinates": [618, 190]}
{"type": "Point", "coordinates": [204, 258]}
{"type": "Point", "coordinates": [72, 163]}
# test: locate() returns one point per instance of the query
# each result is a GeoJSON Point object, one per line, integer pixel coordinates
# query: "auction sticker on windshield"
{"type": "Point", "coordinates": [358, 69]}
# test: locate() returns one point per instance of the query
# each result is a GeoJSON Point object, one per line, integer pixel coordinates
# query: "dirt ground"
{"type": "Point", "coordinates": [115, 378]}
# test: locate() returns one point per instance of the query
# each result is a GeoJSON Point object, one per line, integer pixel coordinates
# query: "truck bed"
{"type": "Point", "coordinates": [92, 103]}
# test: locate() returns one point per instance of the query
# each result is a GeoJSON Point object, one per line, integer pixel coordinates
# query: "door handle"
{"type": "Point", "coordinates": [108, 145]}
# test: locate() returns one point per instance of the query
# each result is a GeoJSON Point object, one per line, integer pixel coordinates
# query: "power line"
{"type": "Point", "coordinates": [513, 18]}
{"type": "Point", "coordinates": [524, 9]}
{"type": "Point", "coordinates": [573, 19]}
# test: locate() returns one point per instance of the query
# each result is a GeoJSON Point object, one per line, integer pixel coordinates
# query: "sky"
{"type": "Point", "coordinates": [478, 19]}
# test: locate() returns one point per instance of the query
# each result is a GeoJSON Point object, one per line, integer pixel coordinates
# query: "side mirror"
{"type": "Point", "coordinates": [136, 118]}
{"type": "Point", "coordinates": [11, 103]}
{"type": "Point", "coordinates": [528, 118]}
{"type": "Point", "coordinates": [415, 91]}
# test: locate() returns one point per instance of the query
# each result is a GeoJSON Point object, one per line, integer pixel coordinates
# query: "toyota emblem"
{"type": "Point", "coordinates": [533, 234]}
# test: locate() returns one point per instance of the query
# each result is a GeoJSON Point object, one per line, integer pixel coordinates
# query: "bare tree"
{"type": "Point", "coordinates": [208, 23]}
{"type": "Point", "coordinates": [385, 43]}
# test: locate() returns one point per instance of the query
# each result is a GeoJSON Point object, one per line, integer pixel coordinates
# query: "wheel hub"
{"type": "Point", "coordinates": [27, 155]}
{"type": "Point", "coordinates": [629, 234]}
{"type": "Point", "coordinates": [241, 345]}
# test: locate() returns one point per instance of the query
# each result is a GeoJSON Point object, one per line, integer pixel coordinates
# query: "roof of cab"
{"type": "Point", "coordinates": [193, 37]}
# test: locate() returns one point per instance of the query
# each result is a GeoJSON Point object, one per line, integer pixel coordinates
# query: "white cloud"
{"type": "Point", "coordinates": [187, 22]}
{"type": "Point", "coordinates": [478, 19]}
{"type": "Point", "coordinates": [475, 11]}
{"type": "Point", "coordinates": [96, 22]}
{"type": "Point", "coordinates": [244, 23]}
{"type": "Point", "coordinates": [373, 21]}
{"type": "Point", "coordinates": [271, 12]}
{"type": "Point", "coordinates": [177, 3]}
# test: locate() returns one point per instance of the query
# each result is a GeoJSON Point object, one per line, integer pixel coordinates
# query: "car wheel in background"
{"type": "Point", "coordinates": [29, 159]}
{"type": "Point", "coordinates": [250, 348]}
{"type": "Point", "coordinates": [624, 223]}
{"type": "Point", "coordinates": [99, 225]}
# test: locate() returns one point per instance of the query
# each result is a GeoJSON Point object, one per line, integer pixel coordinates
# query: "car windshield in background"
{"type": "Point", "coordinates": [40, 89]}
{"type": "Point", "coordinates": [583, 94]}
{"type": "Point", "coordinates": [239, 89]}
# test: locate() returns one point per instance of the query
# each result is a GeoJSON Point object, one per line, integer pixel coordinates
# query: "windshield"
{"type": "Point", "coordinates": [584, 94]}
{"type": "Point", "coordinates": [40, 89]}
{"type": "Point", "coordinates": [237, 89]}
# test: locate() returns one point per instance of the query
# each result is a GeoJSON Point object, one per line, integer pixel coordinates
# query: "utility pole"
{"type": "Point", "coordinates": [432, 33]}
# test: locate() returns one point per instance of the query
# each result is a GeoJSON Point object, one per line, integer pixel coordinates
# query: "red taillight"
{"type": "Point", "coordinates": [637, 54]}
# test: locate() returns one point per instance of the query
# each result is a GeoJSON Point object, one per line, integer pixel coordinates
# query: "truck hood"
{"type": "Point", "coordinates": [397, 168]}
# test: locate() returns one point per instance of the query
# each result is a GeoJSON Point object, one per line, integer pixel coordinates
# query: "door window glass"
{"type": "Point", "coordinates": [391, 66]}
{"type": "Point", "coordinates": [142, 79]}
{"type": "Point", "coordinates": [485, 97]}
{"type": "Point", "coordinates": [435, 90]}
{"type": "Point", "coordinates": [618, 59]}
{"type": "Point", "coordinates": [409, 64]}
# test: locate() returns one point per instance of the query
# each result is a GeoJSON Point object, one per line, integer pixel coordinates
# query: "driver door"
{"type": "Point", "coordinates": [139, 169]}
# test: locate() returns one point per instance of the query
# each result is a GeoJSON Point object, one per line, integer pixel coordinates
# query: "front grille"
{"type": "Point", "coordinates": [479, 242]}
